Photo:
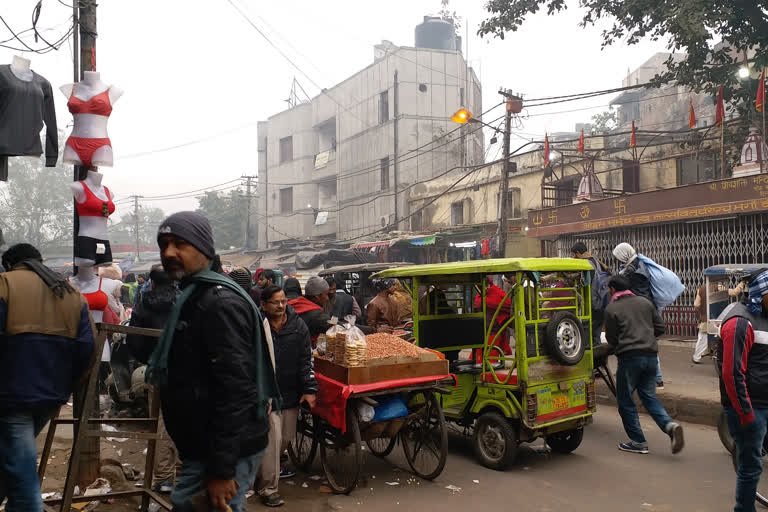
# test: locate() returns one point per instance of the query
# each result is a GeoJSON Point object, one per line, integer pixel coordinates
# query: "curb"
{"type": "Point", "coordinates": [683, 408]}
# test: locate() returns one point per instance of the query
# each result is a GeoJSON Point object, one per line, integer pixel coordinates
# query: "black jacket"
{"type": "Point", "coordinates": [342, 306]}
{"type": "Point", "coordinates": [209, 404]}
{"type": "Point", "coordinates": [151, 312]}
{"type": "Point", "coordinates": [639, 278]}
{"type": "Point", "coordinates": [293, 358]}
{"type": "Point", "coordinates": [632, 325]}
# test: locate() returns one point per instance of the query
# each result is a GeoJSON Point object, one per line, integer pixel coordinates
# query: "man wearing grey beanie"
{"type": "Point", "coordinates": [213, 369]}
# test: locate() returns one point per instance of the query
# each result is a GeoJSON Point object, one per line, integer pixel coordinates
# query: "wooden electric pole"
{"type": "Point", "coordinates": [247, 238]}
{"type": "Point", "coordinates": [136, 223]}
{"type": "Point", "coordinates": [84, 50]}
{"type": "Point", "coordinates": [502, 227]}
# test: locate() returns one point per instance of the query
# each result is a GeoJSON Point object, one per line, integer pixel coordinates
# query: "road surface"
{"type": "Point", "coordinates": [594, 478]}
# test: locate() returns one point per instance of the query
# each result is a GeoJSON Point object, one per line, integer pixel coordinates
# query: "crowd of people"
{"type": "Point", "coordinates": [235, 360]}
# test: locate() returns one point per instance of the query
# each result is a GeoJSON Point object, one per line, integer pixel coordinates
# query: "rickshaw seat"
{"type": "Point", "coordinates": [502, 376]}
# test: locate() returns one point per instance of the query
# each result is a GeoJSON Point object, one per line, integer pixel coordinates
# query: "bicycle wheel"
{"type": "Point", "coordinates": [341, 454]}
{"type": "Point", "coordinates": [425, 436]}
{"type": "Point", "coordinates": [381, 446]}
{"type": "Point", "coordinates": [303, 446]}
{"type": "Point", "coordinates": [724, 434]}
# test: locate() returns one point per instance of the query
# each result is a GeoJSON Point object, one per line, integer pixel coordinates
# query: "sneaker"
{"type": "Point", "coordinates": [273, 500]}
{"type": "Point", "coordinates": [287, 472]}
{"type": "Point", "coordinates": [660, 384]}
{"type": "Point", "coordinates": [675, 432]}
{"type": "Point", "coordinates": [633, 447]}
{"type": "Point", "coordinates": [696, 361]}
{"type": "Point", "coordinates": [164, 487]}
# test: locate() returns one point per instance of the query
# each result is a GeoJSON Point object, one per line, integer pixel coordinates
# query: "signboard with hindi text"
{"type": "Point", "coordinates": [680, 204]}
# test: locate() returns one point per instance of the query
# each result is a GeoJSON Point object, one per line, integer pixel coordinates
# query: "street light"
{"type": "Point", "coordinates": [743, 72]}
{"type": "Point", "coordinates": [462, 116]}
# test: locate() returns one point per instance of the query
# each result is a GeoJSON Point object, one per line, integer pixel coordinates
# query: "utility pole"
{"type": "Point", "coordinates": [396, 165]}
{"type": "Point", "coordinates": [136, 222]}
{"type": "Point", "coordinates": [266, 195]}
{"type": "Point", "coordinates": [247, 238]}
{"type": "Point", "coordinates": [84, 52]}
{"type": "Point", "coordinates": [502, 228]}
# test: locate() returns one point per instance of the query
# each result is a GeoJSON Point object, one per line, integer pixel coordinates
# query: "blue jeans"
{"type": "Point", "coordinates": [659, 378]}
{"type": "Point", "coordinates": [190, 483]}
{"type": "Point", "coordinates": [638, 373]}
{"type": "Point", "coordinates": [749, 447]}
{"type": "Point", "coordinates": [18, 459]}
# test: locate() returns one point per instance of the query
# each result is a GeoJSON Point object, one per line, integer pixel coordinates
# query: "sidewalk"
{"type": "Point", "coordinates": [691, 391]}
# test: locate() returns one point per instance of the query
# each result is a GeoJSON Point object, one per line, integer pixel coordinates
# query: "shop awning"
{"type": "Point", "coordinates": [369, 245]}
{"type": "Point", "coordinates": [423, 240]}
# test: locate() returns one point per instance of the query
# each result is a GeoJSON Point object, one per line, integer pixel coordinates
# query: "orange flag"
{"type": "Point", "coordinates": [633, 137]}
{"type": "Point", "coordinates": [760, 101]}
{"type": "Point", "coordinates": [691, 116]}
{"type": "Point", "coordinates": [546, 150]}
{"type": "Point", "coordinates": [581, 142]}
{"type": "Point", "coordinates": [720, 111]}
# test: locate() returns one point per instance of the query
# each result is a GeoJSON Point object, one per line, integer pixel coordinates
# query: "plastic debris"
{"type": "Point", "coordinates": [315, 477]}
{"type": "Point", "coordinates": [51, 495]}
{"type": "Point", "coordinates": [475, 481]}
{"type": "Point", "coordinates": [305, 485]}
{"type": "Point", "coordinates": [393, 483]}
{"type": "Point", "coordinates": [110, 428]}
{"type": "Point", "coordinates": [290, 482]}
{"type": "Point", "coordinates": [454, 489]}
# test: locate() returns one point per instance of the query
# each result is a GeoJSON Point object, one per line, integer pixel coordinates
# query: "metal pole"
{"type": "Point", "coordinates": [136, 222]}
{"type": "Point", "coordinates": [266, 194]}
{"type": "Point", "coordinates": [502, 235]}
{"type": "Point", "coordinates": [247, 238]}
{"type": "Point", "coordinates": [723, 173]}
{"type": "Point", "coordinates": [762, 164]}
{"type": "Point", "coordinates": [396, 165]}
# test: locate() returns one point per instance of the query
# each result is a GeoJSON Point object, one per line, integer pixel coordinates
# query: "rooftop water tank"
{"type": "Point", "coordinates": [435, 33]}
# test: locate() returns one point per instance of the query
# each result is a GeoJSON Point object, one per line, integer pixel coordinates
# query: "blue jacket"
{"type": "Point", "coordinates": [46, 342]}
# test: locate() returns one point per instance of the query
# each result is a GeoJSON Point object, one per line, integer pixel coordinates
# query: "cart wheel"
{"type": "Point", "coordinates": [566, 442]}
{"type": "Point", "coordinates": [381, 446]}
{"type": "Point", "coordinates": [425, 436]}
{"type": "Point", "coordinates": [303, 447]}
{"type": "Point", "coordinates": [341, 454]}
{"type": "Point", "coordinates": [724, 434]}
{"type": "Point", "coordinates": [495, 441]}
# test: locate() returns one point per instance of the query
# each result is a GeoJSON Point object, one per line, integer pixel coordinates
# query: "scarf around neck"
{"type": "Point", "coordinates": [618, 295]}
{"type": "Point", "coordinates": [157, 369]}
{"type": "Point", "coordinates": [57, 284]}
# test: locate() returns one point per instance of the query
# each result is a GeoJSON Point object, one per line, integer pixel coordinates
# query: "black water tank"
{"type": "Point", "coordinates": [435, 33]}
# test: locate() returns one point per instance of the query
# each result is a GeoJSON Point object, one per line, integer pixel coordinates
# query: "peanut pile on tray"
{"type": "Point", "coordinates": [388, 345]}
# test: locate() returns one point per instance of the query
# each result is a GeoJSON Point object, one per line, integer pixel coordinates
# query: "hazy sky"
{"type": "Point", "coordinates": [197, 75]}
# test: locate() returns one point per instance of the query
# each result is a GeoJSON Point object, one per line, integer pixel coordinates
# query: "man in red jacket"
{"type": "Point", "coordinates": [310, 307]}
{"type": "Point", "coordinates": [494, 296]}
{"type": "Point", "coordinates": [744, 385]}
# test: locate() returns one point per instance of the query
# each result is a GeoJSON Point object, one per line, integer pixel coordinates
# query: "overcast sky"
{"type": "Point", "coordinates": [198, 76]}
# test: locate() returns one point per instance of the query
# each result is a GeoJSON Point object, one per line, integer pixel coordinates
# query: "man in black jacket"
{"type": "Point", "coordinates": [215, 377]}
{"type": "Point", "coordinates": [296, 379]}
{"type": "Point", "coordinates": [632, 325]}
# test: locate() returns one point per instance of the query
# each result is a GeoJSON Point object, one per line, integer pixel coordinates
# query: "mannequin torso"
{"type": "Point", "coordinates": [90, 125]}
{"type": "Point", "coordinates": [92, 226]}
{"type": "Point", "coordinates": [98, 292]}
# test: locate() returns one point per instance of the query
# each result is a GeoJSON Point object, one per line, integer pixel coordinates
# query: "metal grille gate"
{"type": "Point", "coordinates": [687, 248]}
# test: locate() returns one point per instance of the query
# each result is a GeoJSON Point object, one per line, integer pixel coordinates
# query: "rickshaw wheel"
{"type": "Point", "coordinates": [724, 434]}
{"type": "Point", "coordinates": [303, 446]}
{"type": "Point", "coordinates": [495, 441]}
{"type": "Point", "coordinates": [564, 338]}
{"type": "Point", "coordinates": [381, 446]}
{"type": "Point", "coordinates": [341, 454]}
{"type": "Point", "coordinates": [425, 436]}
{"type": "Point", "coordinates": [567, 441]}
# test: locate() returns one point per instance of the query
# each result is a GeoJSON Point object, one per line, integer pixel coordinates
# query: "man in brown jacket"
{"type": "Point", "coordinates": [46, 345]}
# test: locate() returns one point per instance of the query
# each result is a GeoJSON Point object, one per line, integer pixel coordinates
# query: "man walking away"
{"type": "Point", "coordinates": [632, 325]}
{"type": "Point", "coordinates": [580, 251]}
{"type": "Point", "coordinates": [242, 276]}
{"type": "Point", "coordinates": [296, 379]}
{"type": "Point", "coordinates": [214, 372]}
{"type": "Point", "coordinates": [152, 311]}
{"type": "Point", "coordinates": [46, 347]}
{"type": "Point", "coordinates": [702, 343]}
{"type": "Point", "coordinates": [744, 385]}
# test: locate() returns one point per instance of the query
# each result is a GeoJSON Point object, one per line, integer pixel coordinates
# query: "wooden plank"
{"type": "Point", "coordinates": [379, 373]}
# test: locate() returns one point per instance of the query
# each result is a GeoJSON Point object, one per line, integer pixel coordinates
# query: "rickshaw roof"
{"type": "Point", "coordinates": [734, 269]}
{"type": "Point", "coordinates": [494, 266]}
{"type": "Point", "coordinates": [362, 267]}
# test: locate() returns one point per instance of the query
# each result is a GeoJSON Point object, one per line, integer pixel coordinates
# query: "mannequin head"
{"type": "Point", "coordinates": [20, 63]}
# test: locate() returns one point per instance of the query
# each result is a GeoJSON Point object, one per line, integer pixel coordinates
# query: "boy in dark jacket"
{"type": "Point", "coordinates": [632, 325]}
{"type": "Point", "coordinates": [296, 380]}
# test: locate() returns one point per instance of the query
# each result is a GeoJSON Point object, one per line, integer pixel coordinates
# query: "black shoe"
{"type": "Point", "coordinates": [273, 500]}
{"type": "Point", "coordinates": [660, 384]}
{"type": "Point", "coordinates": [287, 472]}
{"type": "Point", "coordinates": [633, 447]}
{"type": "Point", "coordinates": [675, 432]}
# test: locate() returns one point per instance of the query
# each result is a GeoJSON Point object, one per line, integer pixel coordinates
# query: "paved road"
{"type": "Point", "coordinates": [594, 478]}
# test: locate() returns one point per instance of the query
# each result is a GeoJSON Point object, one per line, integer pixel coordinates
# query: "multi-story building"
{"type": "Point", "coordinates": [339, 166]}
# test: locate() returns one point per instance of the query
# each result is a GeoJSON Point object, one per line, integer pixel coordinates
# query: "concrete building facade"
{"type": "Point", "coordinates": [329, 168]}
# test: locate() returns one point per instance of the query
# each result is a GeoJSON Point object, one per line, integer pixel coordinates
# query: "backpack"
{"type": "Point", "coordinates": [601, 294]}
{"type": "Point", "coordinates": [665, 285]}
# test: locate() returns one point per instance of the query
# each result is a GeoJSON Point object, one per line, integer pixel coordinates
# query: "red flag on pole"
{"type": "Point", "coordinates": [691, 116]}
{"type": "Point", "coordinates": [546, 150]}
{"type": "Point", "coordinates": [720, 111]}
{"type": "Point", "coordinates": [760, 101]}
{"type": "Point", "coordinates": [581, 142]}
{"type": "Point", "coordinates": [633, 137]}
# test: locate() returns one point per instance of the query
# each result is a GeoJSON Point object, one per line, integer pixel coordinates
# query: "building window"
{"type": "Point", "coordinates": [691, 170]}
{"type": "Point", "coordinates": [513, 203]}
{"type": "Point", "coordinates": [630, 176]}
{"type": "Point", "coordinates": [286, 149]}
{"type": "Point", "coordinates": [384, 163]}
{"type": "Point", "coordinates": [384, 107]}
{"type": "Point", "coordinates": [286, 200]}
{"type": "Point", "coordinates": [565, 190]}
{"type": "Point", "coordinates": [416, 221]}
{"type": "Point", "coordinates": [457, 214]}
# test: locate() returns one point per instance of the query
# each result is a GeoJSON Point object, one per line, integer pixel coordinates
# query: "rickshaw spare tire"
{"type": "Point", "coordinates": [564, 338]}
